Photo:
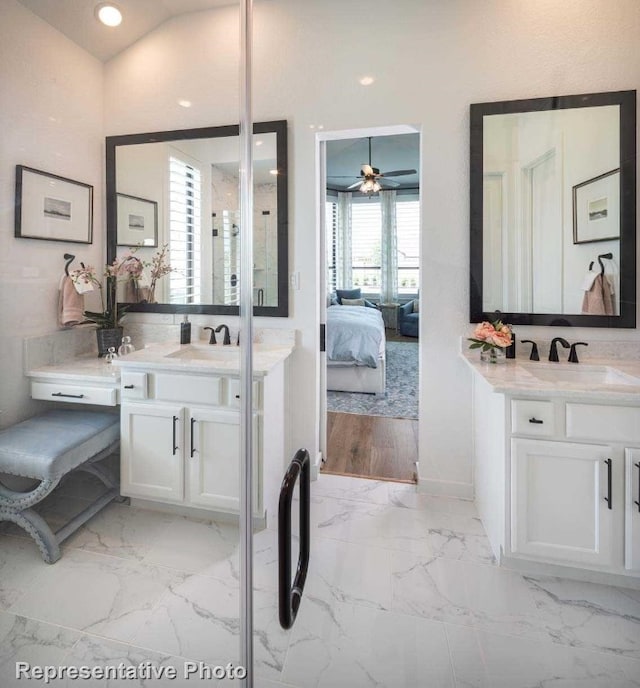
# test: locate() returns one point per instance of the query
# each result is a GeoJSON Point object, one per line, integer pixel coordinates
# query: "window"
{"type": "Point", "coordinates": [331, 230]}
{"type": "Point", "coordinates": [366, 228]}
{"type": "Point", "coordinates": [184, 231]}
{"type": "Point", "coordinates": [408, 230]}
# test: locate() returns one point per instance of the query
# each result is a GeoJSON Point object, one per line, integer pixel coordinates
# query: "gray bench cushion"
{"type": "Point", "coordinates": [50, 445]}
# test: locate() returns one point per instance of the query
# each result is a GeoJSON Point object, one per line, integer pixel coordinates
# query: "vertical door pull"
{"type": "Point", "coordinates": [193, 450]}
{"type": "Point", "coordinates": [289, 596]}
{"type": "Point", "coordinates": [175, 446]}
{"type": "Point", "coordinates": [608, 498]}
{"type": "Point", "coordinates": [637, 465]}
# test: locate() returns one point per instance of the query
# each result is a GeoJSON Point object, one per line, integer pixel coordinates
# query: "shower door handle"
{"type": "Point", "coordinates": [289, 596]}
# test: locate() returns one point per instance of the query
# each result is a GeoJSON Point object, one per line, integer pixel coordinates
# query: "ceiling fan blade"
{"type": "Point", "coordinates": [354, 186]}
{"type": "Point", "coordinates": [398, 173]}
{"type": "Point", "coordinates": [343, 176]}
{"type": "Point", "coordinates": [388, 182]}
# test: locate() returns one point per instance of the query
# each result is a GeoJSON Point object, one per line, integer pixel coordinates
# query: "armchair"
{"type": "Point", "coordinates": [408, 321]}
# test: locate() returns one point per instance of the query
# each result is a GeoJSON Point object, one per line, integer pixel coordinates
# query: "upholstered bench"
{"type": "Point", "coordinates": [47, 448]}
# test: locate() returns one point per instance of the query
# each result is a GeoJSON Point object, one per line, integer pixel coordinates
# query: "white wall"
{"type": "Point", "coordinates": [50, 119]}
{"type": "Point", "coordinates": [430, 60]}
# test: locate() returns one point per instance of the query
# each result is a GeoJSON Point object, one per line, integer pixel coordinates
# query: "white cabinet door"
{"type": "Point", "coordinates": [558, 506]}
{"type": "Point", "coordinates": [152, 451]}
{"type": "Point", "coordinates": [213, 459]}
{"type": "Point", "coordinates": [632, 510]}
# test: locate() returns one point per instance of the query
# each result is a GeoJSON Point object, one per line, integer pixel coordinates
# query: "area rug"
{"type": "Point", "coordinates": [401, 398]}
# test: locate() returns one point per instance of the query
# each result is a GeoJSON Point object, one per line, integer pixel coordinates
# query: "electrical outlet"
{"type": "Point", "coordinates": [294, 280]}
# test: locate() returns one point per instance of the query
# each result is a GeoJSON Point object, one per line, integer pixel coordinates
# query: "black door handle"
{"type": "Point", "coordinates": [193, 422]}
{"type": "Point", "coordinates": [289, 596]}
{"type": "Point", "coordinates": [608, 498]}
{"type": "Point", "coordinates": [128, 386]}
{"type": "Point", "coordinates": [536, 421]}
{"type": "Point", "coordinates": [637, 465]}
{"type": "Point", "coordinates": [175, 447]}
{"type": "Point", "coordinates": [68, 396]}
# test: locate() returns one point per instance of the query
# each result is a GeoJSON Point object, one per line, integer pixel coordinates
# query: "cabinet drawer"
{"type": "Point", "coordinates": [597, 422]}
{"type": "Point", "coordinates": [536, 418]}
{"type": "Point", "coordinates": [133, 385]}
{"type": "Point", "coordinates": [74, 394]}
{"type": "Point", "coordinates": [190, 389]}
{"type": "Point", "coordinates": [233, 395]}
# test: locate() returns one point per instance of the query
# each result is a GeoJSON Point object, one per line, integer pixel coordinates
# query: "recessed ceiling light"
{"type": "Point", "coordinates": [109, 14]}
{"type": "Point", "coordinates": [366, 80]}
{"type": "Point", "coordinates": [184, 103]}
{"type": "Point", "coordinates": [273, 171]}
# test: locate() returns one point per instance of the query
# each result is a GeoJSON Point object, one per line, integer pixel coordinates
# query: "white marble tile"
{"type": "Point", "coordinates": [199, 620]}
{"type": "Point", "coordinates": [453, 544]}
{"type": "Point", "coordinates": [121, 531]}
{"type": "Point", "coordinates": [408, 497]}
{"type": "Point", "coordinates": [94, 593]}
{"type": "Point", "coordinates": [193, 546]}
{"type": "Point", "coordinates": [486, 660]}
{"type": "Point", "coordinates": [346, 487]}
{"type": "Point", "coordinates": [589, 615]}
{"type": "Point", "coordinates": [26, 640]}
{"type": "Point", "coordinates": [20, 563]}
{"type": "Point", "coordinates": [348, 646]}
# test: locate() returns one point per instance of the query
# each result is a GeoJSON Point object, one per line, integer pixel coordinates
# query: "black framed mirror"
{"type": "Point", "coordinates": [185, 184]}
{"type": "Point", "coordinates": [553, 210]}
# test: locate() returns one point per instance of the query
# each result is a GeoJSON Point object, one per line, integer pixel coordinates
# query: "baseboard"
{"type": "Point", "coordinates": [259, 521]}
{"type": "Point", "coordinates": [443, 488]}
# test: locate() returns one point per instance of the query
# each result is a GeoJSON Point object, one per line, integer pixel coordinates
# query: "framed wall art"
{"type": "Point", "coordinates": [596, 208]}
{"type": "Point", "coordinates": [137, 221]}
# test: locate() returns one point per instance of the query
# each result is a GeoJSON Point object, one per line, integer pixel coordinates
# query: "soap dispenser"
{"type": "Point", "coordinates": [185, 331]}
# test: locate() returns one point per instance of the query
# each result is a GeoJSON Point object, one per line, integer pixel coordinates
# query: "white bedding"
{"type": "Point", "coordinates": [355, 336]}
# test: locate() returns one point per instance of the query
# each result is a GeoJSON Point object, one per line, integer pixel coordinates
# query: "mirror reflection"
{"type": "Point", "coordinates": [177, 213]}
{"type": "Point", "coordinates": [550, 226]}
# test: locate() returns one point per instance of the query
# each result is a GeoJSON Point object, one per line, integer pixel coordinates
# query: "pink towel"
{"type": "Point", "coordinates": [599, 299]}
{"type": "Point", "coordinates": [70, 304]}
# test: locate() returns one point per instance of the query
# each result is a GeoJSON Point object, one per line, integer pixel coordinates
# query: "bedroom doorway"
{"type": "Point", "coordinates": [370, 230]}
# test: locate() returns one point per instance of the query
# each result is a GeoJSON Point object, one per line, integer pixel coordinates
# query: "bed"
{"type": "Point", "coordinates": [355, 350]}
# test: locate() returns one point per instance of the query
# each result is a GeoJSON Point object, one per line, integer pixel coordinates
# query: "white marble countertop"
{"type": "Point", "coordinates": [81, 369]}
{"type": "Point", "coordinates": [515, 377]}
{"type": "Point", "coordinates": [225, 359]}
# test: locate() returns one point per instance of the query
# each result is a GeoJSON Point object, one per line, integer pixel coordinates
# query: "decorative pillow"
{"type": "Point", "coordinates": [416, 306]}
{"type": "Point", "coordinates": [352, 302]}
{"type": "Point", "coordinates": [348, 294]}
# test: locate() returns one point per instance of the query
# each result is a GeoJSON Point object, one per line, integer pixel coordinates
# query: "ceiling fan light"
{"type": "Point", "coordinates": [109, 14]}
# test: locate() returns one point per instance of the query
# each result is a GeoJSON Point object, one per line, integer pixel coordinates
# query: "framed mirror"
{"type": "Point", "coordinates": [173, 195]}
{"type": "Point", "coordinates": [553, 210]}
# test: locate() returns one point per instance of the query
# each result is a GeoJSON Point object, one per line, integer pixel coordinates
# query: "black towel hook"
{"type": "Point", "coordinates": [608, 256]}
{"type": "Point", "coordinates": [69, 258]}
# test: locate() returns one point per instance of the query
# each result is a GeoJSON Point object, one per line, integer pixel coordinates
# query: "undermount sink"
{"type": "Point", "coordinates": [579, 374]}
{"type": "Point", "coordinates": [205, 352]}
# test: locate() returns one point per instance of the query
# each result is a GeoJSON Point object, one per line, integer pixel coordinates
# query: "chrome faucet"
{"type": "Point", "coordinates": [573, 356]}
{"type": "Point", "coordinates": [212, 338]}
{"type": "Point", "coordinates": [553, 352]}
{"type": "Point", "coordinates": [227, 338]}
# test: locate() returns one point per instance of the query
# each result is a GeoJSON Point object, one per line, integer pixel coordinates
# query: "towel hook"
{"type": "Point", "coordinates": [69, 258]}
{"type": "Point", "coordinates": [608, 256]}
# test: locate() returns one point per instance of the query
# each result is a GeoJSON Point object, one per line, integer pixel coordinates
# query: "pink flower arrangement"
{"type": "Point", "coordinates": [491, 335]}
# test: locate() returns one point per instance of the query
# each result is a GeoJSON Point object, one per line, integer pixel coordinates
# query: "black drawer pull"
{"type": "Point", "coordinates": [128, 386]}
{"type": "Point", "coordinates": [175, 447]}
{"type": "Point", "coordinates": [608, 498]}
{"type": "Point", "coordinates": [193, 422]}
{"type": "Point", "coordinates": [536, 421]}
{"type": "Point", "coordinates": [237, 396]}
{"type": "Point", "coordinates": [68, 396]}
{"type": "Point", "coordinates": [637, 465]}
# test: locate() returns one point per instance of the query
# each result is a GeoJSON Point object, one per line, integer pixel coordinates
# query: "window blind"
{"type": "Point", "coordinates": [366, 228]}
{"type": "Point", "coordinates": [331, 231]}
{"type": "Point", "coordinates": [408, 238]}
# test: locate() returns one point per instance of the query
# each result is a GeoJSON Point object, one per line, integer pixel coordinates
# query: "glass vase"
{"type": "Point", "coordinates": [493, 356]}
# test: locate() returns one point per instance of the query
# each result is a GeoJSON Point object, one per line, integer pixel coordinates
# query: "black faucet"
{"type": "Point", "coordinates": [227, 338]}
{"type": "Point", "coordinates": [212, 338]}
{"type": "Point", "coordinates": [534, 349]}
{"type": "Point", "coordinates": [573, 356]}
{"type": "Point", "coordinates": [553, 352]}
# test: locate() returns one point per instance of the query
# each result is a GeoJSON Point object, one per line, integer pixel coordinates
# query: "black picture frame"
{"type": "Point", "coordinates": [626, 100]}
{"type": "Point", "coordinates": [148, 210]}
{"type": "Point", "coordinates": [49, 207]}
{"type": "Point", "coordinates": [605, 212]}
{"type": "Point", "coordinates": [278, 127]}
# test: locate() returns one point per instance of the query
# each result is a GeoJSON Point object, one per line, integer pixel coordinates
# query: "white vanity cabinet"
{"type": "Point", "coordinates": [558, 479]}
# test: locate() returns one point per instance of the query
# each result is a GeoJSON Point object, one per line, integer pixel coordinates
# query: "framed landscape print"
{"type": "Point", "coordinates": [596, 208]}
{"type": "Point", "coordinates": [52, 208]}
{"type": "Point", "coordinates": [137, 223]}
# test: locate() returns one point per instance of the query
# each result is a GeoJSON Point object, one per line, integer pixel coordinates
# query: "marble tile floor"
{"type": "Point", "coordinates": [402, 592]}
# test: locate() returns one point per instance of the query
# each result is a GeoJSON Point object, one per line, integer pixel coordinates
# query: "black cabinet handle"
{"type": "Point", "coordinates": [128, 386]}
{"type": "Point", "coordinates": [237, 396]}
{"type": "Point", "coordinates": [536, 421]}
{"type": "Point", "coordinates": [68, 396]}
{"type": "Point", "coordinates": [289, 596]}
{"type": "Point", "coordinates": [637, 465]}
{"type": "Point", "coordinates": [608, 498]}
{"type": "Point", "coordinates": [193, 422]}
{"type": "Point", "coordinates": [175, 447]}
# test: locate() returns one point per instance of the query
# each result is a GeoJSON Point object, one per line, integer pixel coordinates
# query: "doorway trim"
{"type": "Point", "coordinates": [321, 139]}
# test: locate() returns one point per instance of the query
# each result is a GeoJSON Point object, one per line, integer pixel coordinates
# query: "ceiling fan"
{"type": "Point", "coordinates": [371, 180]}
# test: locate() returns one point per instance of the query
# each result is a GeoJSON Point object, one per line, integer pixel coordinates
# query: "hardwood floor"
{"type": "Point", "coordinates": [371, 447]}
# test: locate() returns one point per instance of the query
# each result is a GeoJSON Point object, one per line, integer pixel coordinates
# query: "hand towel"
{"type": "Point", "coordinates": [598, 300]}
{"type": "Point", "coordinates": [70, 304]}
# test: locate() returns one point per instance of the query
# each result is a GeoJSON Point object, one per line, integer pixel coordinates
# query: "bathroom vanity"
{"type": "Point", "coordinates": [557, 465]}
{"type": "Point", "coordinates": [180, 419]}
